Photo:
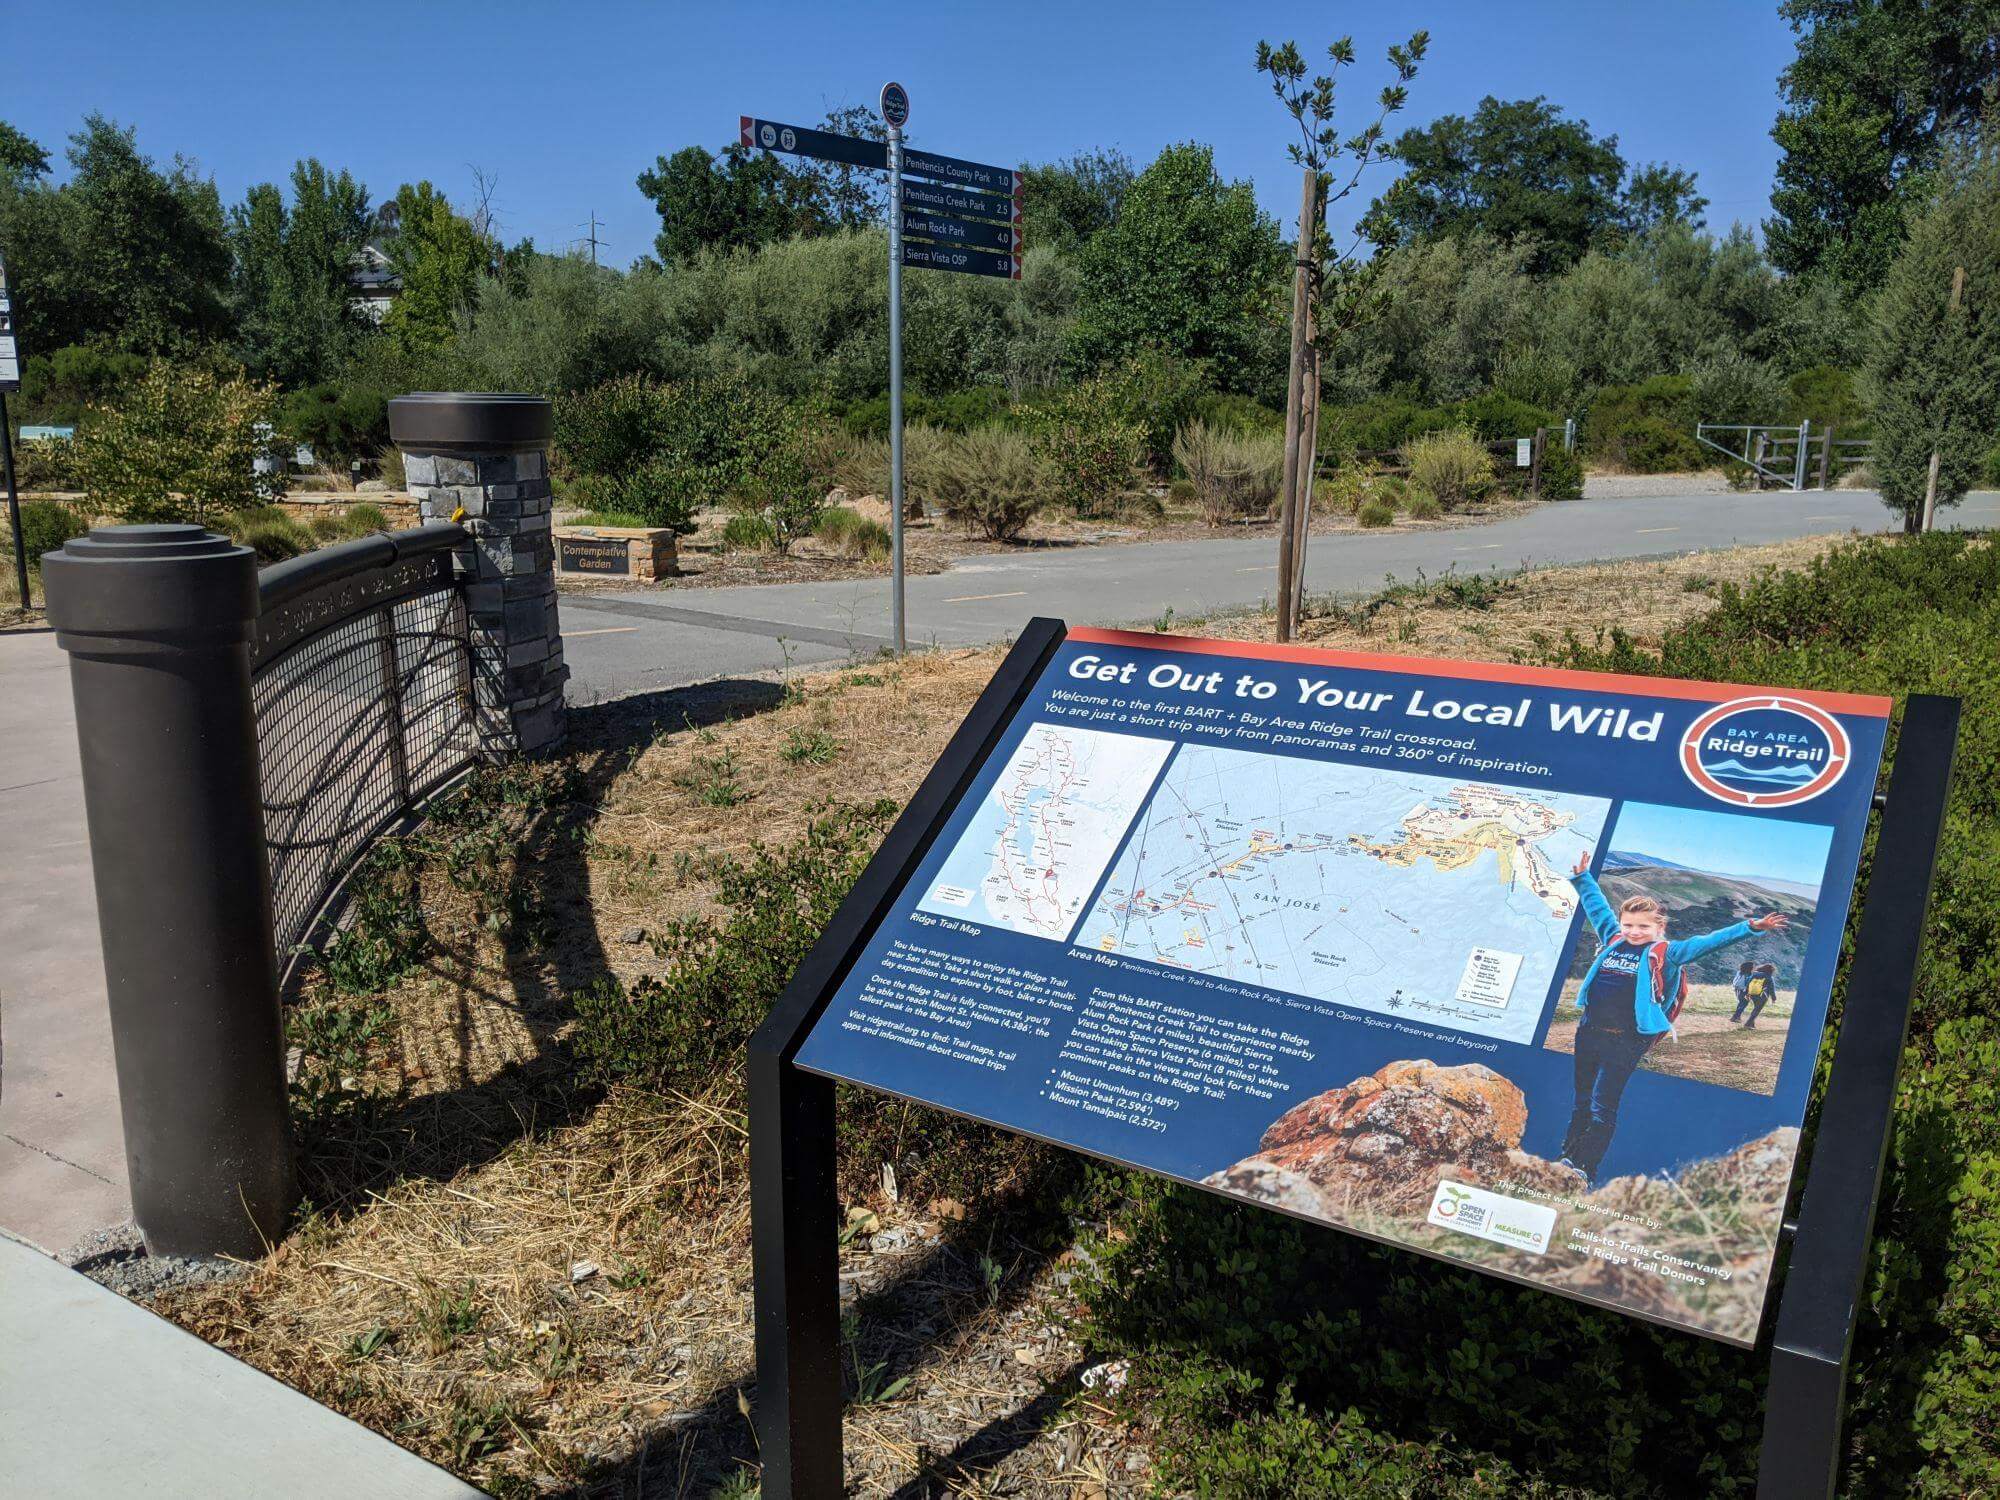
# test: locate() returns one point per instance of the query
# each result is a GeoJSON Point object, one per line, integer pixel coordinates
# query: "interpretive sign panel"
{"type": "Point", "coordinates": [1520, 968]}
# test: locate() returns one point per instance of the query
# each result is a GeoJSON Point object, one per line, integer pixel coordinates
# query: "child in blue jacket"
{"type": "Point", "coordinates": [1630, 999]}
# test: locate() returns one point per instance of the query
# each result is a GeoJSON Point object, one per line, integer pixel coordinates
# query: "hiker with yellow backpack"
{"type": "Point", "coordinates": [1756, 991]}
{"type": "Point", "coordinates": [1631, 996]}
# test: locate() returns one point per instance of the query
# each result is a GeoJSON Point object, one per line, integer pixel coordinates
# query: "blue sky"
{"type": "Point", "coordinates": [566, 105]}
{"type": "Point", "coordinates": [1724, 843]}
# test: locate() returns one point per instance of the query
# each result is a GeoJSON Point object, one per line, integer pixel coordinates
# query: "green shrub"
{"type": "Point", "coordinates": [1156, 393]}
{"type": "Point", "coordinates": [274, 541]}
{"type": "Point", "coordinates": [1562, 471]}
{"type": "Point", "coordinates": [1236, 477]}
{"type": "Point", "coordinates": [610, 518]}
{"type": "Point", "coordinates": [991, 480]}
{"type": "Point", "coordinates": [1732, 388]}
{"type": "Point", "coordinates": [59, 387]}
{"type": "Point", "coordinates": [1375, 513]}
{"type": "Point", "coordinates": [1096, 456]}
{"type": "Point", "coordinates": [1990, 469]}
{"type": "Point", "coordinates": [1453, 467]}
{"type": "Point", "coordinates": [326, 528]}
{"type": "Point", "coordinates": [363, 520]}
{"type": "Point", "coordinates": [46, 525]}
{"type": "Point", "coordinates": [661, 451]}
{"type": "Point", "coordinates": [1381, 424]}
{"type": "Point", "coordinates": [1237, 413]}
{"type": "Point", "coordinates": [46, 464]}
{"type": "Point", "coordinates": [339, 423]}
{"type": "Point", "coordinates": [1826, 396]}
{"type": "Point", "coordinates": [788, 479]}
{"type": "Point", "coordinates": [723, 972]}
{"type": "Point", "coordinates": [1423, 508]}
{"type": "Point", "coordinates": [745, 532]}
{"type": "Point", "coordinates": [1647, 428]}
{"type": "Point", "coordinates": [181, 447]}
{"type": "Point", "coordinates": [1494, 417]}
{"type": "Point", "coordinates": [957, 411]}
{"type": "Point", "coordinates": [853, 533]}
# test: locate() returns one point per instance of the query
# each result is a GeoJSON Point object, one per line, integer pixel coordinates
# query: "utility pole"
{"type": "Point", "coordinates": [594, 241]}
{"type": "Point", "coordinates": [1931, 483]}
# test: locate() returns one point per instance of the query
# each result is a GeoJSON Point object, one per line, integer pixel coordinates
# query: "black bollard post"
{"type": "Point", "coordinates": [157, 623]}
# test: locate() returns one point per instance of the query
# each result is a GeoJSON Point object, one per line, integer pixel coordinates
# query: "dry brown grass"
{"type": "Point", "coordinates": [444, 1300]}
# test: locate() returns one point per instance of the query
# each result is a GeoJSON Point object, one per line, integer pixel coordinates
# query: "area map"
{"type": "Point", "coordinates": [1036, 848]}
{"type": "Point", "coordinates": [1442, 900]}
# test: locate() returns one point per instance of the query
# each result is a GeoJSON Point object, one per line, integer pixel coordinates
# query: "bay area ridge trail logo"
{"type": "Point", "coordinates": [1768, 751]}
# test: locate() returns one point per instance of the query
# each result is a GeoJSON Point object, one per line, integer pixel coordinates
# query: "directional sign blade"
{"type": "Point", "coordinates": [936, 257]}
{"type": "Point", "coordinates": [968, 232]}
{"type": "Point", "coordinates": [10, 354]}
{"type": "Point", "coordinates": [951, 169]}
{"type": "Point", "coordinates": [850, 150]}
{"type": "Point", "coordinates": [962, 203]}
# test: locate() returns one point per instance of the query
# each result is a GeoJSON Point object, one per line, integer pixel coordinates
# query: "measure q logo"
{"type": "Point", "coordinates": [1765, 752]}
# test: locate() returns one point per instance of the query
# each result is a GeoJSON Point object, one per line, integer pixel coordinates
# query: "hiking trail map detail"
{"type": "Point", "coordinates": [1047, 830]}
{"type": "Point", "coordinates": [1359, 885]}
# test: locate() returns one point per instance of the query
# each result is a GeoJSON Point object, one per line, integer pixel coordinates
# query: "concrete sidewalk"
{"type": "Point", "coordinates": [62, 1150]}
{"type": "Point", "coordinates": [98, 1397]}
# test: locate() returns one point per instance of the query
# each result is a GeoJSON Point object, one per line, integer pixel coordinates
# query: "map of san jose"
{"type": "Point", "coordinates": [1437, 899]}
{"type": "Point", "coordinates": [1039, 843]}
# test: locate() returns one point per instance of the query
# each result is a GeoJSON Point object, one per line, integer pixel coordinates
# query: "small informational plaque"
{"type": "Point", "coordinates": [593, 554]}
{"type": "Point", "coordinates": [1521, 968]}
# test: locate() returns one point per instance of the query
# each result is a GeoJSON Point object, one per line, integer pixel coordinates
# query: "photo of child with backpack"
{"type": "Point", "coordinates": [1630, 998]}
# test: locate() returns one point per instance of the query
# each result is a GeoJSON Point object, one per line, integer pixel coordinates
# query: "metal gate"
{"type": "Point", "coordinates": [1792, 458]}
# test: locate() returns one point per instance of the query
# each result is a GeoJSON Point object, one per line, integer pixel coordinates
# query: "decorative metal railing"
{"type": "Point", "coordinates": [363, 685]}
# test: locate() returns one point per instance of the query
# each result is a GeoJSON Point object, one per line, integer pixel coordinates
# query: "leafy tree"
{"type": "Point", "coordinates": [1518, 170]}
{"type": "Point", "coordinates": [1183, 269]}
{"type": "Point", "coordinates": [1933, 372]}
{"type": "Point", "coordinates": [440, 257]}
{"type": "Point", "coordinates": [295, 319]}
{"type": "Point", "coordinates": [1874, 95]}
{"type": "Point", "coordinates": [122, 254]}
{"type": "Point", "coordinates": [847, 197]}
{"type": "Point", "coordinates": [1065, 203]}
{"type": "Point", "coordinates": [21, 160]}
{"type": "Point", "coordinates": [739, 200]}
{"type": "Point", "coordinates": [180, 447]}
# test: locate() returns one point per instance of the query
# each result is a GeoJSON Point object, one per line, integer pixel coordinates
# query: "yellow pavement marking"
{"type": "Point", "coordinates": [603, 630]}
{"type": "Point", "coordinates": [1649, 530]}
{"type": "Point", "coordinates": [971, 598]}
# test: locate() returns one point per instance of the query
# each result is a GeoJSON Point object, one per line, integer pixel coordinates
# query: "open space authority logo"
{"type": "Point", "coordinates": [1765, 752]}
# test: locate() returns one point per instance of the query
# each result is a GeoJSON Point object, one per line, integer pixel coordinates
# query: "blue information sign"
{"type": "Point", "coordinates": [1520, 968]}
{"type": "Point", "coordinates": [798, 140]}
{"type": "Point", "coordinates": [976, 233]}
{"type": "Point", "coordinates": [962, 203]}
{"type": "Point", "coordinates": [959, 173]}
{"type": "Point", "coordinates": [933, 256]}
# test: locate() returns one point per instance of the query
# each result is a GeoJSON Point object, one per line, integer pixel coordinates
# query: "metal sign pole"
{"type": "Point", "coordinates": [896, 386]}
{"type": "Point", "coordinates": [14, 505]}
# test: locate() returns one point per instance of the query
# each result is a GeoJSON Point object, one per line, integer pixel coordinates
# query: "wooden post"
{"type": "Point", "coordinates": [1295, 398]}
{"type": "Point", "coordinates": [1308, 469]}
{"type": "Point", "coordinates": [1931, 482]}
{"type": "Point", "coordinates": [1756, 452]}
{"type": "Point", "coordinates": [1825, 456]}
{"type": "Point", "coordinates": [1535, 464]}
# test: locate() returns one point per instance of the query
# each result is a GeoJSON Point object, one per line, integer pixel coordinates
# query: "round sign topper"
{"type": "Point", "coordinates": [895, 105]}
{"type": "Point", "coordinates": [1765, 752]}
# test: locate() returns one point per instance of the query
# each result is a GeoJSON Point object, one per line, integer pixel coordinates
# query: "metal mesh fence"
{"type": "Point", "coordinates": [356, 725]}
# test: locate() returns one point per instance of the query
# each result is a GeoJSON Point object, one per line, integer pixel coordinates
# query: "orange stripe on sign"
{"type": "Point", "coordinates": [1481, 671]}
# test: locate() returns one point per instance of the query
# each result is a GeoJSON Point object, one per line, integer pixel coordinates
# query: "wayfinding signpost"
{"type": "Point", "coordinates": [10, 380]}
{"type": "Point", "coordinates": [945, 214]}
{"type": "Point", "coordinates": [1521, 969]}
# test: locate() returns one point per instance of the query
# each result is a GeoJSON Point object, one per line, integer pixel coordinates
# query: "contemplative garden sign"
{"type": "Point", "coordinates": [1520, 968]}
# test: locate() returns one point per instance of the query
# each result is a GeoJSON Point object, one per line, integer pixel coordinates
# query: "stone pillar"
{"type": "Point", "coordinates": [482, 460]}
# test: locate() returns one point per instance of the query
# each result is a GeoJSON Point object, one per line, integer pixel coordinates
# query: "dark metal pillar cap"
{"type": "Point", "coordinates": [170, 585]}
{"type": "Point", "coordinates": [469, 422]}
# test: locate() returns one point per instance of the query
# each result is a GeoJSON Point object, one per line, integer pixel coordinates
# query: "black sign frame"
{"type": "Point", "coordinates": [795, 1204]}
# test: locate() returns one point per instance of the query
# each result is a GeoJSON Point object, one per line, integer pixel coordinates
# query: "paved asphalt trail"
{"type": "Point", "coordinates": [62, 1167]}
{"type": "Point", "coordinates": [623, 643]}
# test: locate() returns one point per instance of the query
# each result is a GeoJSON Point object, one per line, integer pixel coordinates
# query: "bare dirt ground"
{"type": "Point", "coordinates": [548, 1291]}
